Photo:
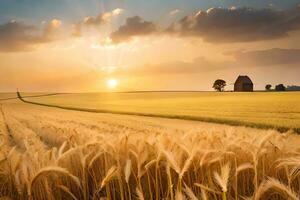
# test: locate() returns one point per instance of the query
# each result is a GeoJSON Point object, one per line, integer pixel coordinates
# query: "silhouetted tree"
{"type": "Point", "coordinates": [219, 85]}
{"type": "Point", "coordinates": [280, 87]}
{"type": "Point", "coordinates": [268, 87]}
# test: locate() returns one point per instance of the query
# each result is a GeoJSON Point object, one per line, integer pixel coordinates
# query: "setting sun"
{"type": "Point", "coordinates": [112, 83]}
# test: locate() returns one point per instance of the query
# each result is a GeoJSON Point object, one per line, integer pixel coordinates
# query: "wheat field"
{"type": "Point", "coordinates": [49, 153]}
{"type": "Point", "coordinates": [279, 110]}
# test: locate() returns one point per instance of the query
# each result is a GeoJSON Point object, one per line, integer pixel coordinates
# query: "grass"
{"type": "Point", "coordinates": [280, 111]}
{"type": "Point", "coordinates": [61, 154]}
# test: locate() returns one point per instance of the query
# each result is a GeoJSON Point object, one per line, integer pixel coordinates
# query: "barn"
{"type": "Point", "coordinates": [243, 84]}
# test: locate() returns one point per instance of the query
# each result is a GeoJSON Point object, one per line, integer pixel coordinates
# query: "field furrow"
{"type": "Point", "coordinates": [6, 140]}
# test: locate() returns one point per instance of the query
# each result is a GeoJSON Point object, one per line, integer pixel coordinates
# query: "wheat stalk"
{"type": "Point", "coordinates": [48, 171]}
{"type": "Point", "coordinates": [189, 192]}
{"type": "Point", "coordinates": [276, 186]}
{"type": "Point", "coordinates": [127, 170]}
{"type": "Point", "coordinates": [66, 190]}
{"type": "Point", "coordinates": [139, 194]}
{"type": "Point", "coordinates": [109, 175]}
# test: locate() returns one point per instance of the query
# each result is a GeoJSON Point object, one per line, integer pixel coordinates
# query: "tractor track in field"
{"type": "Point", "coordinates": [5, 123]}
{"type": "Point", "coordinates": [8, 129]}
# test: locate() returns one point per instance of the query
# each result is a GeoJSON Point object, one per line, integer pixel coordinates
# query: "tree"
{"type": "Point", "coordinates": [268, 87]}
{"type": "Point", "coordinates": [280, 87]}
{"type": "Point", "coordinates": [219, 85]}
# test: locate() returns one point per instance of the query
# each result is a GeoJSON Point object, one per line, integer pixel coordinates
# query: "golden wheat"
{"type": "Point", "coordinates": [74, 155]}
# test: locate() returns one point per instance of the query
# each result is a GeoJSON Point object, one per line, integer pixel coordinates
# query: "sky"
{"type": "Point", "coordinates": [84, 45]}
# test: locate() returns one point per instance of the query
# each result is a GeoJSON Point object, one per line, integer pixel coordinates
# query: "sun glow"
{"type": "Point", "coordinates": [112, 83]}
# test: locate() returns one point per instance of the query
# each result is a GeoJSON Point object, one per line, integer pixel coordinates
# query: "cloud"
{"type": "Point", "coordinates": [117, 11]}
{"type": "Point", "coordinates": [243, 61]}
{"type": "Point", "coordinates": [174, 12]}
{"type": "Point", "coordinates": [238, 24]}
{"type": "Point", "coordinates": [77, 30]}
{"type": "Point", "coordinates": [102, 18]}
{"type": "Point", "coordinates": [134, 26]}
{"type": "Point", "coordinates": [17, 36]}
{"type": "Point", "coordinates": [14, 36]}
{"type": "Point", "coordinates": [51, 28]}
{"type": "Point", "coordinates": [269, 57]}
{"type": "Point", "coordinates": [98, 20]}
{"type": "Point", "coordinates": [198, 65]}
{"type": "Point", "coordinates": [219, 25]}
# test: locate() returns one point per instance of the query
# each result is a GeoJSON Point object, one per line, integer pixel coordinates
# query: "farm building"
{"type": "Point", "coordinates": [243, 84]}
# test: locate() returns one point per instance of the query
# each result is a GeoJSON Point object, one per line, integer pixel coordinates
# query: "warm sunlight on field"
{"type": "Point", "coordinates": [149, 100]}
{"type": "Point", "coordinates": [49, 153]}
{"type": "Point", "coordinates": [279, 110]}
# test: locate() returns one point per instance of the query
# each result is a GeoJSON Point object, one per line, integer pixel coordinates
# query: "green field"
{"type": "Point", "coordinates": [258, 109]}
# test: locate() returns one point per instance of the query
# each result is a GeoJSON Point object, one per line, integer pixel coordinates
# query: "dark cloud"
{"type": "Point", "coordinates": [269, 57]}
{"type": "Point", "coordinates": [219, 25]}
{"type": "Point", "coordinates": [16, 36]}
{"type": "Point", "coordinates": [135, 26]}
{"type": "Point", "coordinates": [238, 24]}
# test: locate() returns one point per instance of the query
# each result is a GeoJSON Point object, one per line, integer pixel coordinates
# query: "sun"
{"type": "Point", "coordinates": [112, 83]}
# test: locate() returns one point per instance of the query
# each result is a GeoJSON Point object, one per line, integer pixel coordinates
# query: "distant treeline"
{"type": "Point", "coordinates": [293, 88]}
{"type": "Point", "coordinates": [282, 87]}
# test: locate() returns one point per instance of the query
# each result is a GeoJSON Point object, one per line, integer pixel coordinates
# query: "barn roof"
{"type": "Point", "coordinates": [243, 79]}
